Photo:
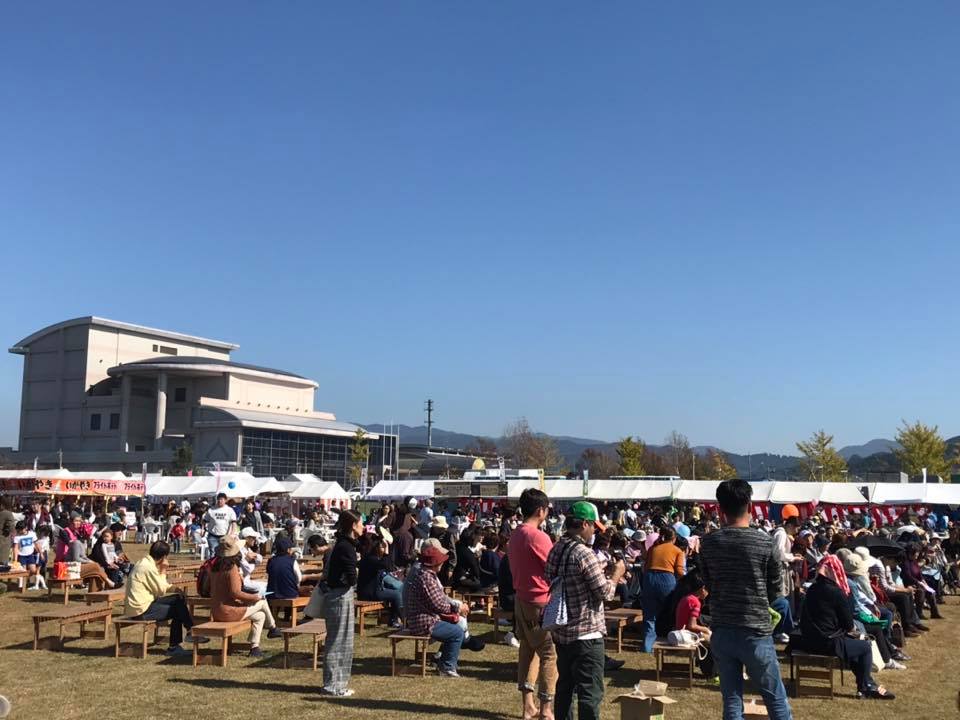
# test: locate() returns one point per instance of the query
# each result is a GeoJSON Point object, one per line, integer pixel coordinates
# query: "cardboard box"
{"type": "Point", "coordinates": [646, 702]}
{"type": "Point", "coordinates": [751, 708]}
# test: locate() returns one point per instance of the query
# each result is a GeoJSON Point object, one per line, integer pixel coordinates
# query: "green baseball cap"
{"type": "Point", "coordinates": [587, 511]}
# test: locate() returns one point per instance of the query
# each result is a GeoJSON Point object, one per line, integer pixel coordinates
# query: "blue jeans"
{"type": "Point", "coordinates": [451, 637]}
{"type": "Point", "coordinates": [736, 648]}
{"type": "Point", "coordinates": [657, 585]}
{"type": "Point", "coordinates": [782, 606]}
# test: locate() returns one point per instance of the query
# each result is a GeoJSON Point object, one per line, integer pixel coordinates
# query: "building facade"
{"type": "Point", "coordinates": [99, 394]}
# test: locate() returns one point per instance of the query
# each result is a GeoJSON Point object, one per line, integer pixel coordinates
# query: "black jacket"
{"type": "Point", "coordinates": [826, 618]}
{"type": "Point", "coordinates": [468, 564]}
{"type": "Point", "coordinates": [342, 572]}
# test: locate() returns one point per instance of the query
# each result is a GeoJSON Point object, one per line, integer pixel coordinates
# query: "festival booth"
{"type": "Point", "coordinates": [630, 489]}
{"type": "Point", "coordinates": [323, 492]}
{"type": "Point", "coordinates": [64, 482]}
{"type": "Point", "coordinates": [234, 485]}
{"type": "Point", "coordinates": [399, 489]}
{"type": "Point", "coordinates": [556, 489]}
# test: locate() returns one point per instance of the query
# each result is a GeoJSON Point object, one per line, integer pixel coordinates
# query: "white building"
{"type": "Point", "coordinates": [111, 395]}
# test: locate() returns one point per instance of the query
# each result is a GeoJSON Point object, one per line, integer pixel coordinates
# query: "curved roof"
{"type": "Point", "coordinates": [180, 360]}
{"type": "Point", "coordinates": [210, 416]}
{"type": "Point", "coordinates": [128, 327]}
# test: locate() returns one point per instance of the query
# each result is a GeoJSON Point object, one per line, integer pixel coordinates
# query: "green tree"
{"type": "Point", "coordinates": [719, 467]}
{"type": "Point", "coordinates": [820, 460]}
{"type": "Point", "coordinates": [922, 447]}
{"type": "Point", "coordinates": [182, 459]}
{"type": "Point", "coordinates": [631, 453]}
{"type": "Point", "coordinates": [359, 455]}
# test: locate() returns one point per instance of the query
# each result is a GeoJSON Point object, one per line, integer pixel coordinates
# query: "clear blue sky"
{"type": "Point", "coordinates": [736, 220]}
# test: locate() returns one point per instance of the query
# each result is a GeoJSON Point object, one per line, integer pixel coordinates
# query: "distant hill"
{"type": "Point", "coordinates": [867, 449]}
{"type": "Point", "coordinates": [875, 455]}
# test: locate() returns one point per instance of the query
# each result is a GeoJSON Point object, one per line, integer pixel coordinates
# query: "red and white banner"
{"type": "Point", "coordinates": [71, 486]}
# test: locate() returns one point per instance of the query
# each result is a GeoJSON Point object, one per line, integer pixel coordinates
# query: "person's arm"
{"type": "Point", "coordinates": [679, 563]}
{"type": "Point", "coordinates": [774, 578]}
{"type": "Point", "coordinates": [236, 590]}
{"type": "Point", "coordinates": [593, 577]}
{"type": "Point", "coordinates": [436, 602]}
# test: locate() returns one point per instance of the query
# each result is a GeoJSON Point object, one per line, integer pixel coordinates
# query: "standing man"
{"type": "Point", "coordinates": [527, 554]}
{"type": "Point", "coordinates": [218, 521]}
{"type": "Point", "coordinates": [580, 656]}
{"type": "Point", "coordinates": [7, 524]}
{"type": "Point", "coordinates": [426, 517]}
{"type": "Point", "coordinates": [742, 573]}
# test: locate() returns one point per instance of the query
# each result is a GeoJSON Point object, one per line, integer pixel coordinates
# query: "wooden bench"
{"type": "Point", "coordinates": [362, 608]}
{"type": "Point", "coordinates": [420, 643]}
{"type": "Point", "coordinates": [487, 598]}
{"type": "Point", "coordinates": [294, 604]}
{"type": "Point", "coordinates": [17, 576]}
{"type": "Point", "coordinates": [317, 629]}
{"type": "Point", "coordinates": [498, 615]}
{"type": "Point", "coordinates": [92, 584]}
{"type": "Point", "coordinates": [195, 602]}
{"type": "Point", "coordinates": [681, 672]}
{"type": "Point", "coordinates": [619, 619]}
{"type": "Point", "coordinates": [64, 616]}
{"type": "Point", "coordinates": [807, 666]}
{"type": "Point", "coordinates": [145, 626]}
{"type": "Point", "coordinates": [224, 630]}
{"type": "Point", "coordinates": [111, 596]}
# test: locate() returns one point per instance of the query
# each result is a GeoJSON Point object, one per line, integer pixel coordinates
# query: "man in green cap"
{"type": "Point", "coordinates": [580, 657]}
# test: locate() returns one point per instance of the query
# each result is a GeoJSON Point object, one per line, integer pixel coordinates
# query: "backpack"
{"type": "Point", "coordinates": [203, 578]}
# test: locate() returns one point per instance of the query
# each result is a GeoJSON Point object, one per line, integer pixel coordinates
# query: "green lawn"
{"type": "Point", "coordinates": [85, 681]}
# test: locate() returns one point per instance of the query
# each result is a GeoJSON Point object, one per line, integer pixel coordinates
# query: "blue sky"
{"type": "Point", "coordinates": [736, 220]}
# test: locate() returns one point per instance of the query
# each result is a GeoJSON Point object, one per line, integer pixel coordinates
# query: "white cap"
{"type": "Point", "coordinates": [249, 532]}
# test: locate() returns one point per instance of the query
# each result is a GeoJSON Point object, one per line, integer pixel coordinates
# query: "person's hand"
{"type": "Point", "coordinates": [618, 570]}
{"type": "Point", "coordinates": [464, 610]}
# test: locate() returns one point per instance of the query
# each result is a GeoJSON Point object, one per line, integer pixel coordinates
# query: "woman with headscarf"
{"type": "Point", "coordinates": [827, 628]}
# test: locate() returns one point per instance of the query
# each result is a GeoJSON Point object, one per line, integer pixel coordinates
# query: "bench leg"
{"type": "Point", "coordinates": [293, 616]}
{"type": "Point", "coordinates": [36, 633]}
{"type": "Point", "coordinates": [496, 630]}
{"type": "Point", "coordinates": [116, 641]}
{"type": "Point", "coordinates": [223, 651]}
{"type": "Point", "coordinates": [196, 652]}
{"type": "Point", "coordinates": [143, 641]}
{"type": "Point", "coordinates": [619, 639]}
{"type": "Point", "coordinates": [657, 659]}
{"type": "Point", "coordinates": [423, 659]}
{"type": "Point", "coordinates": [316, 651]}
{"type": "Point", "coordinates": [61, 635]}
{"type": "Point", "coordinates": [393, 654]}
{"type": "Point", "coordinates": [360, 621]}
{"type": "Point", "coordinates": [286, 650]}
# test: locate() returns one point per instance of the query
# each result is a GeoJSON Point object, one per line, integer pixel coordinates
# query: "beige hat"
{"type": "Point", "coordinates": [440, 521]}
{"type": "Point", "coordinates": [228, 547]}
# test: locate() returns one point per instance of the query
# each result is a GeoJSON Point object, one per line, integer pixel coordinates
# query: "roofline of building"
{"type": "Point", "coordinates": [209, 369]}
{"type": "Point", "coordinates": [20, 347]}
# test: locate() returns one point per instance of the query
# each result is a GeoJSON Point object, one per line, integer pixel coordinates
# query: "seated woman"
{"type": "Point", "coordinates": [466, 575]}
{"type": "Point", "coordinates": [826, 626]}
{"type": "Point", "coordinates": [375, 580]}
{"type": "Point", "coordinates": [77, 552]}
{"type": "Point", "coordinates": [231, 603]}
{"type": "Point", "coordinates": [867, 617]}
{"type": "Point", "coordinates": [691, 592]}
{"type": "Point", "coordinates": [108, 554]}
{"type": "Point", "coordinates": [429, 612]}
{"type": "Point", "coordinates": [911, 574]}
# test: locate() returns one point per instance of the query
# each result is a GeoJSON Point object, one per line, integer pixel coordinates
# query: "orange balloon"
{"type": "Point", "coordinates": [789, 511]}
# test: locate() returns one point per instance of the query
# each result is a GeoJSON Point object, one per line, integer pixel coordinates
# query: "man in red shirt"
{"type": "Point", "coordinates": [528, 551]}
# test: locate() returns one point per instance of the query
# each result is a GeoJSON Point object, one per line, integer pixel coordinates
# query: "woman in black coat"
{"type": "Point", "coordinates": [826, 627]}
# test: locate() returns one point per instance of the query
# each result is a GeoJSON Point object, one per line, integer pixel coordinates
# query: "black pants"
{"type": "Point", "coordinates": [859, 655]}
{"type": "Point", "coordinates": [580, 673]}
{"type": "Point", "coordinates": [174, 609]}
{"type": "Point", "coordinates": [903, 602]}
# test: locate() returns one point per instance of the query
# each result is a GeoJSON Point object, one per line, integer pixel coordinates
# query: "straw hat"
{"type": "Point", "coordinates": [228, 547]}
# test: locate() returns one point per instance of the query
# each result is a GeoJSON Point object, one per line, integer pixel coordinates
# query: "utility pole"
{"type": "Point", "coordinates": [429, 408]}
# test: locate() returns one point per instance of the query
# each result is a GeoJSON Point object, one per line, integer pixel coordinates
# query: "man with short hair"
{"type": "Point", "coordinates": [742, 574]}
{"type": "Point", "coordinates": [217, 522]}
{"type": "Point", "coordinates": [527, 555]}
{"type": "Point", "coordinates": [150, 597]}
{"type": "Point", "coordinates": [580, 656]}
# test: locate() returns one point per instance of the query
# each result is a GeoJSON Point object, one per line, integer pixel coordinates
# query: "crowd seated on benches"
{"type": "Point", "coordinates": [108, 554]}
{"type": "Point", "coordinates": [377, 578]}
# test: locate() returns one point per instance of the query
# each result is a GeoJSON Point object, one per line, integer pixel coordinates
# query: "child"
{"type": "Point", "coordinates": [25, 552]}
{"type": "Point", "coordinates": [42, 545]}
{"type": "Point", "coordinates": [489, 560]}
{"type": "Point", "coordinates": [177, 532]}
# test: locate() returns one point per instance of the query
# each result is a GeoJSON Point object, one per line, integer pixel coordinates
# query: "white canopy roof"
{"type": "Point", "coordinates": [168, 485]}
{"type": "Point", "coordinates": [795, 492]}
{"type": "Point", "coordinates": [320, 490]}
{"type": "Point", "coordinates": [842, 493]}
{"type": "Point", "coordinates": [631, 489]}
{"type": "Point", "coordinates": [942, 493]}
{"type": "Point", "coordinates": [696, 491]}
{"type": "Point", "coordinates": [390, 489]}
{"type": "Point", "coordinates": [899, 493]}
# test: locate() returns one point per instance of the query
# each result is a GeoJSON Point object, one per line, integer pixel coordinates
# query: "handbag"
{"type": "Point", "coordinates": [60, 571]}
{"type": "Point", "coordinates": [877, 658]}
{"type": "Point", "coordinates": [555, 613]}
{"type": "Point", "coordinates": [73, 571]}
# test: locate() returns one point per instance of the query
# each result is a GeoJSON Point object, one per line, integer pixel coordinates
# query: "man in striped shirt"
{"type": "Point", "coordinates": [580, 657]}
{"type": "Point", "coordinates": [742, 573]}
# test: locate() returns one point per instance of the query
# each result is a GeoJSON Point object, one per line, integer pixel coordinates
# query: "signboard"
{"type": "Point", "coordinates": [468, 489]}
{"type": "Point", "coordinates": [491, 489]}
{"type": "Point", "coordinates": [68, 486]}
{"type": "Point", "coordinates": [452, 489]}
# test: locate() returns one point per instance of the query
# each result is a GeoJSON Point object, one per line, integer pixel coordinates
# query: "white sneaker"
{"type": "Point", "coordinates": [449, 673]}
{"type": "Point", "coordinates": [894, 665]}
{"type": "Point", "coordinates": [511, 640]}
{"type": "Point", "coordinates": [782, 638]}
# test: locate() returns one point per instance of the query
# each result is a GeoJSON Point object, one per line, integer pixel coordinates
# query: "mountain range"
{"type": "Point", "coordinates": [873, 455]}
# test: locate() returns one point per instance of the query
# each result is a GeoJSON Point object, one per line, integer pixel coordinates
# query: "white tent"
{"type": "Point", "coordinates": [899, 494]}
{"type": "Point", "coordinates": [628, 489]}
{"type": "Point", "coordinates": [295, 480]}
{"type": "Point", "coordinates": [696, 491]}
{"type": "Point", "coordinates": [168, 485]}
{"type": "Point", "coordinates": [942, 493]}
{"type": "Point", "coordinates": [320, 490]}
{"type": "Point", "coordinates": [842, 494]}
{"type": "Point", "coordinates": [98, 475]}
{"type": "Point", "coordinates": [399, 489]}
{"type": "Point", "coordinates": [795, 492]}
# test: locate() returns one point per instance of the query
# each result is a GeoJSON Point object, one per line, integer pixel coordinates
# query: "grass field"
{"type": "Point", "coordinates": [85, 681]}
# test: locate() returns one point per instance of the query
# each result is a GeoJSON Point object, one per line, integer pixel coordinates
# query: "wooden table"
{"type": "Point", "coordinates": [14, 575]}
{"type": "Point", "coordinates": [315, 628]}
{"type": "Point", "coordinates": [64, 616]}
{"type": "Point", "coordinates": [680, 671]}
{"type": "Point", "coordinates": [225, 630]}
{"type": "Point", "coordinates": [362, 608]}
{"type": "Point", "coordinates": [486, 597]}
{"type": "Point", "coordinates": [294, 604]}
{"type": "Point", "coordinates": [619, 618]}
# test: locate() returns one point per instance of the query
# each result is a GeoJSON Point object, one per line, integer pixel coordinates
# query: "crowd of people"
{"type": "Point", "coordinates": [713, 577]}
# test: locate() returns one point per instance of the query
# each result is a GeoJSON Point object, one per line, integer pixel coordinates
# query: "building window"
{"type": "Point", "coordinates": [165, 349]}
{"type": "Point", "coordinates": [180, 394]}
{"type": "Point", "coordinates": [95, 421]}
{"type": "Point", "coordinates": [114, 421]}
